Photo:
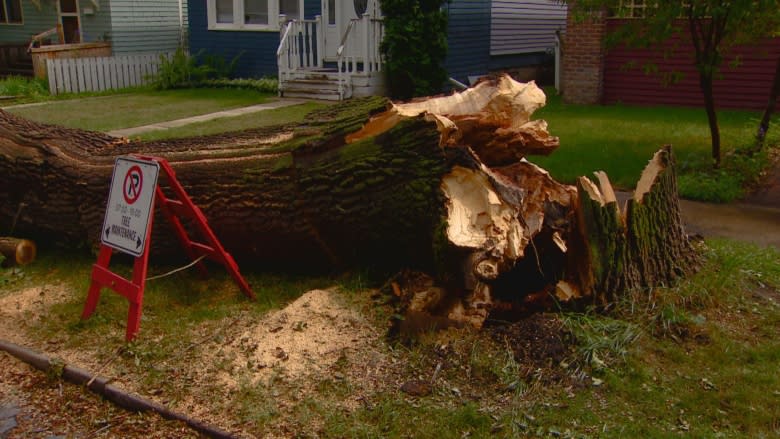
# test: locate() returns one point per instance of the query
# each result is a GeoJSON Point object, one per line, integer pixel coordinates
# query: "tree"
{"type": "Point", "coordinates": [712, 26]}
{"type": "Point", "coordinates": [763, 125]}
{"type": "Point", "coordinates": [415, 46]}
{"type": "Point", "coordinates": [437, 185]}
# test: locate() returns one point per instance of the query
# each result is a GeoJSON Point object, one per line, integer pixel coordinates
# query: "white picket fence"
{"type": "Point", "coordinates": [75, 75]}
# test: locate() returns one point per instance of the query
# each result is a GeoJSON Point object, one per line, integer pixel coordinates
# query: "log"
{"type": "Point", "coordinates": [440, 185]}
{"type": "Point", "coordinates": [16, 251]}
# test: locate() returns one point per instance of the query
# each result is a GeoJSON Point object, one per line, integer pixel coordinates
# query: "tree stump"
{"type": "Point", "coordinates": [642, 245]}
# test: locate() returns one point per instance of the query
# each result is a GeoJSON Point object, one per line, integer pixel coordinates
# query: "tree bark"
{"type": "Point", "coordinates": [763, 126]}
{"type": "Point", "coordinates": [643, 244]}
{"type": "Point", "coordinates": [705, 81]}
{"type": "Point", "coordinates": [438, 185]}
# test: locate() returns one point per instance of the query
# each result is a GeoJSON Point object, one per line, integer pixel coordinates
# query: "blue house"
{"type": "Point", "coordinates": [88, 28]}
{"type": "Point", "coordinates": [330, 48]}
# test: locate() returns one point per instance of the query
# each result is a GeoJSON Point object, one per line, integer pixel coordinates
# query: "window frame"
{"type": "Point", "coordinates": [238, 14]}
{"type": "Point", "coordinates": [630, 9]}
{"type": "Point", "coordinates": [5, 21]}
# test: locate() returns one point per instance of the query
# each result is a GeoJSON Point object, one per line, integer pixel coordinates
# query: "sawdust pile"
{"type": "Point", "coordinates": [305, 338]}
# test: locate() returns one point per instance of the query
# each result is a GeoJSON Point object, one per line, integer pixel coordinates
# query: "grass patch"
{"type": "Point", "coordinates": [699, 358]}
{"type": "Point", "coordinates": [620, 139]}
{"type": "Point", "coordinates": [706, 365]}
{"type": "Point", "coordinates": [112, 112]}
{"type": "Point", "coordinates": [179, 311]}
{"type": "Point", "coordinates": [172, 305]}
{"type": "Point", "coordinates": [23, 89]}
{"type": "Point", "coordinates": [392, 416]}
{"type": "Point", "coordinates": [279, 116]}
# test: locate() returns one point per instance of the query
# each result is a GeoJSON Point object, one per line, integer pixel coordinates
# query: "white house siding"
{"type": "Point", "coordinates": [145, 25]}
{"type": "Point", "coordinates": [525, 26]}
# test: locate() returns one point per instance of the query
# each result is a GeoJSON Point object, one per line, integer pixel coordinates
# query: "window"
{"type": "Point", "coordinates": [290, 8]}
{"type": "Point", "coordinates": [630, 9]}
{"type": "Point", "coordinates": [251, 14]}
{"type": "Point", "coordinates": [332, 12]}
{"type": "Point", "coordinates": [639, 9]}
{"type": "Point", "coordinates": [256, 12]}
{"type": "Point", "coordinates": [69, 6]}
{"type": "Point", "coordinates": [224, 11]}
{"type": "Point", "coordinates": [11, 12]}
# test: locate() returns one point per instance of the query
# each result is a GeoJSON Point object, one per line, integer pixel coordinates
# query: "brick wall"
{"type": "Point", "coordinates": [582, 74]}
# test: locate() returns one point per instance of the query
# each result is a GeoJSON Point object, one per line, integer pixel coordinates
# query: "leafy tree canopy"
{"type": "Point", "coordinates": [415, 46]}
{"type": "Point", "coordinates": [712, 26]}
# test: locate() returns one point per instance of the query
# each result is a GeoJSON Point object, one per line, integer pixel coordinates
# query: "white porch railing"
{"type": "Point", "coordinates": [301, 46]}
{"type": "Point", "coordinates": [359, 50]}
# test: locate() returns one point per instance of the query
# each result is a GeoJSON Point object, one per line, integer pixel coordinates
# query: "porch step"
{"type": "Point", "coordinates": [324, 88]}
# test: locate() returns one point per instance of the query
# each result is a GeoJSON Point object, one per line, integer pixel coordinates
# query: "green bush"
{"type": "Point", "coordinates": [264, 85]}
{"type": "Point", "coordinates": [714, 187]}
{"type": "Point", "coordinates": [414, 46]}
{"type": "Point", "coordinates": [22, 87]}
{"type": "Point", "coordinates": [741, 170]}
{"type": "Point", "coordinates": [184, 70]}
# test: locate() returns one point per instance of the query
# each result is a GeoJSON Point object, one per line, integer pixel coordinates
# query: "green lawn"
{"type": "Point", "coordinates": [620, 139]}
{"type": "Point", "coordinates": [105, 113]}
{"type": "Point", "coordinates": [699, 359]}
{"type": "Point", "coordinates": [277, 116]}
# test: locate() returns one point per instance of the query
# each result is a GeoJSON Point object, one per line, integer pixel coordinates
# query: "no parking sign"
{"type": "Point", "coordinates": [130, 203]}
{"type": "Point", "coordinates": [126, 227]}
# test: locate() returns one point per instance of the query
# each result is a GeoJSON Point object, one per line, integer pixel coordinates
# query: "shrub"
{"type": "Point", "coordinates": [414, 46]}
{"type": "Point", "coordinates": [264, 85]}
{"type": "Point", "coordinates": [740, 171]}
{"type": "Point", "coordinates": [23, 87]}
{"type": "Point", "coordinates": [184, 70]}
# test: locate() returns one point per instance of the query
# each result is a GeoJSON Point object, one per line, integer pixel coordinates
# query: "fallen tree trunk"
{"type": "Point", "coordinates": [440, 185]}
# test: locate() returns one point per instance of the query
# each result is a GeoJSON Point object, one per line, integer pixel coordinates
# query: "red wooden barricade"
{"type": "Point", "coordinates": [174, 208]}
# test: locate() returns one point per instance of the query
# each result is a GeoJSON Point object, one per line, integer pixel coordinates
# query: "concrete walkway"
{"type": "Point", "coordinates": [134, 131]}
{"type": "Point", "coordinates": [743, 222]}
{"type": "Point", "coordinates": [746, 221]}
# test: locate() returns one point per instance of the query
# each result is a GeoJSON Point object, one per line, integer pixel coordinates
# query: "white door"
{"type": "Point", "coordinates": [336, 15]}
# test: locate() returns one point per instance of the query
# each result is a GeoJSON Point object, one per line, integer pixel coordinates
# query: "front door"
{"type": "Point", "coordinates": [69, 25]}
{"type": "Point", "coordinates": [336, 15]}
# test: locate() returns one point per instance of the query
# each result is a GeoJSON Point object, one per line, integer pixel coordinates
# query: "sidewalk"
{"type": "Point", "coordinates": [742, 221]}
{"type": "Point", "coordinates": [134, 131]}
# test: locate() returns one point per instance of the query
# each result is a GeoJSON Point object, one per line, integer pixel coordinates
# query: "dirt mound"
{"type": "Point", "coordinates": [540, 344]}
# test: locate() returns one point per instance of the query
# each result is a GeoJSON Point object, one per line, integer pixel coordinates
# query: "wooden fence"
{"type": "Point", "coordinates": [75, 75]}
